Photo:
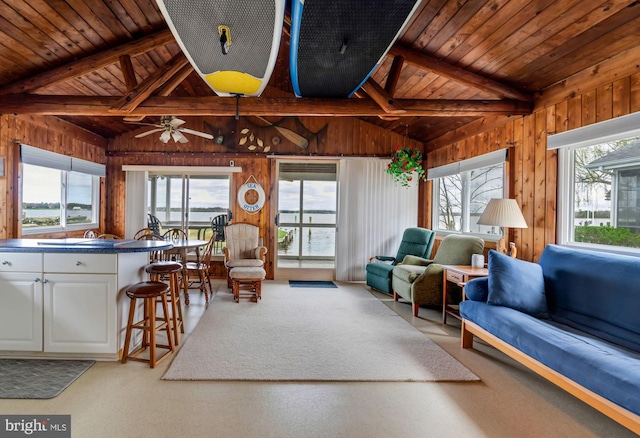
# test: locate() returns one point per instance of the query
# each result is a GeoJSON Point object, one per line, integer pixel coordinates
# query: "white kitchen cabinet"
{"type": "Point", "coordinates": [21, 311]}
{"type": "Point", "coordinates": [80, 313]}
{"type": "Point", "coordinates": [21, 301]}
{"type": "Point", "coordinates": [65, 304]}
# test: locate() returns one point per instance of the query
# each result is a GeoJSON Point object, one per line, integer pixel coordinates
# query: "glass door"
{"type": "Point", "coordinates": [306, 217]}
{"type": "Point", "coordinates": [189, 202]}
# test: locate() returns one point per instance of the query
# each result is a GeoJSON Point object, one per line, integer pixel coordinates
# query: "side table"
{"type": "Point", "coordinates": [459, 275]}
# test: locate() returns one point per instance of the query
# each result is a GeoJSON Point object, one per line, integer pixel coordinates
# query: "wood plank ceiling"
{"type": "Point", "coordinates": [93, 62]}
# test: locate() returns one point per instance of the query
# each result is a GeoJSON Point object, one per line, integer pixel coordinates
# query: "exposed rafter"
{"type": "Point", "coordinates": [458, 74]}
{"type": "Point", "coordinates": [382, 98]}
{"type": "Point", "coordinates": [135, 97]}
{"type": "Point", "coordinates": [252, 106]}
{"type": "Point", "coordinates": [394, 75]}
{"type": "Point", "coordinates": [89, 64]}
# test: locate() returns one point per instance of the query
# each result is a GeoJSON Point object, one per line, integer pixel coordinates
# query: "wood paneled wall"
{"type": "Point", "coordinates": [47, 133]}
{"type": "Point", "coordinates": [533, 170]}
{"type": "Point", "coordinates": [328, 137]}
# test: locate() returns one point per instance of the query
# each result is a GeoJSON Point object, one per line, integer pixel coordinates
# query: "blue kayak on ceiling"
{"type": "Point", "coordinates": [336, 45]}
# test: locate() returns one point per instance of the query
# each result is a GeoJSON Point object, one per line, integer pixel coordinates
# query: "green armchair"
{"type": "Point", "coordinates": [415, 241]}
{"type": "Point", "coordinates": [419, 280]}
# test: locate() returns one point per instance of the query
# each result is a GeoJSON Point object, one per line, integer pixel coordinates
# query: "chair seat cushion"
{"type": "Point", "coordinates": [381, 269]}
{"type": "Point", "coordinates": [408, 273]}
{"type": "Point", "coordinates": [251, 273]}
{"type": "Point", "coordinates": [245, 263]}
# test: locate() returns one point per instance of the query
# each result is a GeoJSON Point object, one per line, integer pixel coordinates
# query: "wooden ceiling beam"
{"type": "Point", "coordinates": [168, 87]}
{"type": "Point", "coordinates": [128, 72]}
{"type": "Point", "coordinates": [381, 97]}
{"type": "Point", "coordinates": [251, 106]}
{"type": "Point", "coordinates": [426, 62]}
{"type": "Point", "coordinates": [89, 64]}
{"type": "Point", "coordinates": [140, 93]}
{"type": "Point", "coordinates": [394, 75]}
{"type": "Point", "coordinates": [478, 126]}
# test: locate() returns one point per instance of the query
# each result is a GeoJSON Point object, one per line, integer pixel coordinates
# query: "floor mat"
{"type": "Point", "coordinates": [316, 284]}
{"type": "Point", "coordinates": [35, 378]}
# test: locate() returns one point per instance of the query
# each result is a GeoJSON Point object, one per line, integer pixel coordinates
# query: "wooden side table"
{"type": "Point", "coordinates": [459, 275]}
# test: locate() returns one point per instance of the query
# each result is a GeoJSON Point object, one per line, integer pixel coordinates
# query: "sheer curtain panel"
{"type": "Point", "coordinates": [373, 212]}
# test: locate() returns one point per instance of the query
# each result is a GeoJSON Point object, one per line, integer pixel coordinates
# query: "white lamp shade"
{"type": "Point", "coordinates": [503, 213]}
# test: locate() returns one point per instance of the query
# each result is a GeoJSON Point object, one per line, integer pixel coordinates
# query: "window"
{"type": "Point", "coordinates": [59, 193]}
{"type": "Point", "coordinates": [599, 185]}
{"type": "Point", "coordinates": [462, 190]}
{"type": "Point", "coordinates": [190, 202]}
{"type": "Point", "coordinates": [307, 207]}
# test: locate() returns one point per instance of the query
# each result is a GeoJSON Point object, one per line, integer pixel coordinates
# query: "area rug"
{"type": "Point", "coordinates": [342, 334]}
{"type": "Point", "coordinates": [38, 378]}
{"type": "Point", "coordinates": [310, 283]}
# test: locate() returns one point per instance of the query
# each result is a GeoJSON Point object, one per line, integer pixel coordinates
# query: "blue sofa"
{"type": "Point", "coordinates": [573, 317]}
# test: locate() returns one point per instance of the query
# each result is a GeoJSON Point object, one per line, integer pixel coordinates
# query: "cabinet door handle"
{"type": "Point", "coordinates": [46, 281]}
{"type": "Point", "coordinates": [78, 263]}
{"type": "Point", "coordinates": [37, 280]}
{"type": "Point", "coordinates": [6, 262]}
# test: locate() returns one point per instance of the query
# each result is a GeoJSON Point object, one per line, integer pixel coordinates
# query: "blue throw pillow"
{"type": "Point", "coordinates": [517, 284]}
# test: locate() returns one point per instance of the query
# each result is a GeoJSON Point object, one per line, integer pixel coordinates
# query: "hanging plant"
{"type": "Point", "coordinates": [405, 164]}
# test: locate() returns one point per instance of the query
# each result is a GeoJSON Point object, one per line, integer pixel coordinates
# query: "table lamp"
{"type": "Point", "coordinates": [504, 213]}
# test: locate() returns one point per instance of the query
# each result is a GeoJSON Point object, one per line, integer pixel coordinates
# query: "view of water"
{"type": "Point", "coordinates": [48, 212]}
{"type": "Point", "coordinates": [315, 241]}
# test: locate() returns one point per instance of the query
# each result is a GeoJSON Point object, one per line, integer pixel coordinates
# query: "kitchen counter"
{"type": "Point", "coordinates": [65, 298]}
{"type": "Point", "coordinates": [76, 245]}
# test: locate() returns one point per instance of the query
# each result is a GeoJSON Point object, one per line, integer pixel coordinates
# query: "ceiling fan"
{"type": "Point", "coordinates": [171, 128]}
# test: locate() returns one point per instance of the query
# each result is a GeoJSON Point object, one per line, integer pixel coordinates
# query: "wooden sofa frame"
{"type": "Point", "coordinates": [623, 416]}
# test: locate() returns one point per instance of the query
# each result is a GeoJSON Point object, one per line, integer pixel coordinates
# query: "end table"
{"type": "Point", "coordinates": [459, 275]}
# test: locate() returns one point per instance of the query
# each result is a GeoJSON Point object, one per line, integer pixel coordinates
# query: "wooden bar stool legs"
{"type": "Point", "coordinates": [149, 292]}
{"type": "Point", "coordinates": [156, 271]}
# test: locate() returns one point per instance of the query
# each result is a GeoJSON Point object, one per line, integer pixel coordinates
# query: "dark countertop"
{"type": "Point", "coordinates": [104, 246]}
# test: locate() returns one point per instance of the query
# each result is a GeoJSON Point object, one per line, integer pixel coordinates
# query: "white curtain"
{"type": "Point", "coordinates": [135, 202]}
{"type": "Point", "coordinates": [373, 212]}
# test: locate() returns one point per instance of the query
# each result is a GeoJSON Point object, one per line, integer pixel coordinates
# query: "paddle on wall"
{"type": "Point", "coordinates": [233, 45]}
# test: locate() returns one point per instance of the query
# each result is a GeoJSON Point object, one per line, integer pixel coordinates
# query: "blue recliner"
{"type": "Point", "coordinates": [415, 241]}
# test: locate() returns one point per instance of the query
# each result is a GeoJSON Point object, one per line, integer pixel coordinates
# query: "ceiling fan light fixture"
{"type": "Point", "coordinates": [178, 137]}
{"type": "Point", "coordinates": [165, 136]}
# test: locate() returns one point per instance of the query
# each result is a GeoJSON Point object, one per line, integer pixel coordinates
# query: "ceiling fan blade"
{"type": "Point", "coordinates": [198, 133]}
{"type": "Point", "coordinates": [176, 122]}
{"type": "Point", "coordinates": [165, 136]}
{"type": "Point", "coordinates": [178, 137]}
{"type": "Point", "coordinates": [153, 131]}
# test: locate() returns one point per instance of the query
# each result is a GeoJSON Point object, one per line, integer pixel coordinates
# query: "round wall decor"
{"type": "Point", "coordinates": [242, 193]}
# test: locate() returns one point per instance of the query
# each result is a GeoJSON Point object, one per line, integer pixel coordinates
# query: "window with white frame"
{"type": "Point", "coordinates": [462, 190]}
{"type": "Point", "coordinates": [599, 185]}
{"type": "Point", "coordinates": [58, 193]}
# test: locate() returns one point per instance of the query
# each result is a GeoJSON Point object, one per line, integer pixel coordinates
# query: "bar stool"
{"type": "Point", "coordinates": [156, 271]}
{"type": "Point", "coordinates": [149, 291]}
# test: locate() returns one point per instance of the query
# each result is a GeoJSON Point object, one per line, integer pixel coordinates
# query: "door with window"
{"type": "Point", "coordinates": [189, 202]}
{"type": "Point", "coordinates": [306, 219]}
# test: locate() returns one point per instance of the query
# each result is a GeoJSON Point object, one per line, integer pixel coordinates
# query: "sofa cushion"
{"type": "Point", "coordinates": [594, 292]}
{"type": "Point", "coordinates": [600, 366]}
{"type": "Point", "coordinates": [517, 284]}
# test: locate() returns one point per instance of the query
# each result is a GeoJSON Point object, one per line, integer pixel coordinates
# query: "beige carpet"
{"type": "Point", "coordinates": [309, 334]}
